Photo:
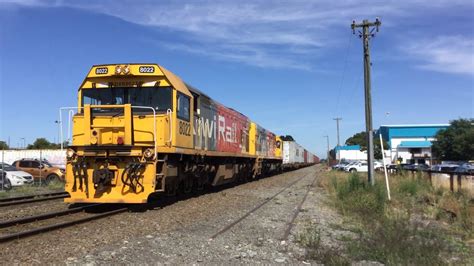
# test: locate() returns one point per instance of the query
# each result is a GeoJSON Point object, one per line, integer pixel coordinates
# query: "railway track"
{"type": "Point", "coordinates": [17, 234]}
{"type": "Point", "coordinates": [32, 198]}
{"type": "Point", "coordinates": [267, 200]}
{"type": "Point", "coordinates": [291, 223]}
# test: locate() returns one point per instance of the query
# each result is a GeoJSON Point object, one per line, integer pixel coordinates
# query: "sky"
{"type": "Point", "coordinates": [291, 66]}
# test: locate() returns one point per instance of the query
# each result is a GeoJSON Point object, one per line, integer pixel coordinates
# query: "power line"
{"type": "Point", "coordinates": [343, 73]}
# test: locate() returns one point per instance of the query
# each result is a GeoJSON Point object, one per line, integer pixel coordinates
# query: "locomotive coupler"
{"type": "Point", "coordinates": [102, 178]}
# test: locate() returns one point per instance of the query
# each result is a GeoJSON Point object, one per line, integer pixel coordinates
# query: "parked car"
{"type": "Point", "coordinates": [378, 165]}
{"type": "Point", "coordinates": [347, 166]}
{"type": "Point", "coordinates": [4, 182]}
{"type": "Point", "coordinates": [340, 166]}
{"type": "Point", "coordinates": [15, 176]}
{"type": "Point", "coordinates": [40, 169]}
{"type": "Point", "coordinates": [357, 167]}
{"type": "Point", "coordinates": [465, 168]}
{"type": "Point", "coordinates": [416, 167]}
{"type": "Point", "coordinates": [444, 167]}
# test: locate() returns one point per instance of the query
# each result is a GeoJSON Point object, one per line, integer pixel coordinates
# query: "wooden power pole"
{"type": "Point", "coordinates": [327, 138]}
{"type": "Point", "coordinates": [365, 35]}
{"type": "Point", "coordinates": [337, 123]}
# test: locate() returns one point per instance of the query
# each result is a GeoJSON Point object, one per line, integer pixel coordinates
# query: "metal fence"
{"type": "Point", "coordinates": [55, 157]}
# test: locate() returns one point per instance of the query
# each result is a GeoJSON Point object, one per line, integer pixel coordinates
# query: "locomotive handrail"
{"type": "Point", "coordinates": [61, 122]}
{"type": "Point", "coordinates": [169, 113]}
{"type": "Point", "coordinates": [154, 126]}
{"type": "Point", "coordinates": [107, 106]}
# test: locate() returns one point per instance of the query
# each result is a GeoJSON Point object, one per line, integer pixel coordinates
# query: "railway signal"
{"type": "Point", "coordinates": [365, 35]}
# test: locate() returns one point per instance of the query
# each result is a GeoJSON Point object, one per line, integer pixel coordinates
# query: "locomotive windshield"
{"type": "Point", "coordinates": [158, 98]}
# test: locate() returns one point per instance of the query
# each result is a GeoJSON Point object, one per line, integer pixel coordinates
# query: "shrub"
{"type": "Point", "coordinates": [397, 241]}
{"type": "Point", "coordinates": [355, 196]}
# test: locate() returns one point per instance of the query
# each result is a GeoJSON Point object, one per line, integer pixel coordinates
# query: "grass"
{"type": "Point", "coordinates": [421, 225]}
{"type": "Point", "coordinates": [33, 189]}
{"type": "Point", "coordinates": [310, 238]}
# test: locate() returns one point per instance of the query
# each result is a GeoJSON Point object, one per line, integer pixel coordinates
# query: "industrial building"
{"type": "Point", "coordinates": [410, 143]}
{"type": "Point", "coordinates": [350, 153]}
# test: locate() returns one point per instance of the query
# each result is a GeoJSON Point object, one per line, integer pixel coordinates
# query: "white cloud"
{"type": "Point", "coordinates": [289, 34]}
{"type": "Point", "coordinates": [449, 54]}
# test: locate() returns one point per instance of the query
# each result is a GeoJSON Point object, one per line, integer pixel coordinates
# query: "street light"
{"type": "Point", "coordinates": [59, 130]}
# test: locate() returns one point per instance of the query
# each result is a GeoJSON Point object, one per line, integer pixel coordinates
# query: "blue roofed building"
{"type": "Point", "coordinates": [410, 143]}
{"type": "Point", "coordinates": [350, 153]}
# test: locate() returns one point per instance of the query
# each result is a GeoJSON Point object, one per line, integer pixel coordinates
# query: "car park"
{"type": "Point", "coordinates": [40, 170]}
{"type": "Point", "coordinates": [14, 176]}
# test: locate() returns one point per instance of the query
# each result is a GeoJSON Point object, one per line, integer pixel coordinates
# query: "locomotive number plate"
{"type": "Point", "coordinates": [146, 69]}
{"type": "Point", "coordinates": [101, 70]}
{"type": "Point", "coordinates": [184, 128]}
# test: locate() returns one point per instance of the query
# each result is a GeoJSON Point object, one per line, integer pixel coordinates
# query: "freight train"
{"type": "Point", "coordinates": [139, 129]}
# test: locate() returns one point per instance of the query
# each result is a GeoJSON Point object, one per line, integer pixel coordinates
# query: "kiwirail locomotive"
{"type": "Point", "coordinates": [139, 129]}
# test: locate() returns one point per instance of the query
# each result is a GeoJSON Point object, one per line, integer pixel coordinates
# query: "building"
{"type": "Point", "coordinates": [350, 153]}
{"type": "Point", "coordinates": [410, 143]}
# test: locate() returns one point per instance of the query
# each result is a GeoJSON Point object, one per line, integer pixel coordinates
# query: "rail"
{"type": "Point", "coordinates": [47, 228]}
{"type": "Point", "coordinates": [61, 109]}
{"type": "Point", "coordinates": [32, 198]}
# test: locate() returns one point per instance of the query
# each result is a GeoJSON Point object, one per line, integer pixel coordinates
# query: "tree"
{"type": "Point", "coordinates": [455, 143]}
{"type": "Point", "coordinates": [287, 138]}
{"type": "Point", "coordinates": [361, 139]}
{"type": "Point", "coordinates": [3, 145]}
{"type": "Point", "coordinates": [42, 143]}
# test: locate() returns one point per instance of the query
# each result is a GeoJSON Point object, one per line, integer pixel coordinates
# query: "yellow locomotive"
{"type": "Point", "coordinates": [139, 129]}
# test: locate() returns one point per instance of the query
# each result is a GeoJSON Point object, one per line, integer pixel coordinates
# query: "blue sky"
{"type": "Point", "coordinates": [291, 66]}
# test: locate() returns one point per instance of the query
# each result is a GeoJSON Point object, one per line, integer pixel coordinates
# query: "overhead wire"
{"type": "Point", "coordinates": [349, 42]}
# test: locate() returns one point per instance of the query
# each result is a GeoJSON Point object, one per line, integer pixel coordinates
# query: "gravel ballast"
{"type": "Point", "coordinates": [180, 232]}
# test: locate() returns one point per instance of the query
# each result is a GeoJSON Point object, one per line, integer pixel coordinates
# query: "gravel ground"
{"type": "Point", "coordinates": [29, 209]}
{"type": "Point", "coordinates": [180, 232]}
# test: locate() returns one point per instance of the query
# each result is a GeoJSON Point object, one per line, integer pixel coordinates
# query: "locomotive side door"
{"type": "Point", "coordinates": [184, 121]}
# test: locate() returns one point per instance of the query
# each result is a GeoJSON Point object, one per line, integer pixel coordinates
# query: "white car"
{"type": "Point", "coordinates": [357, 167]}
{"type": "Point", "coordinates": [16, 177]}
{"type": "Point", "coordinates": [348, 166]}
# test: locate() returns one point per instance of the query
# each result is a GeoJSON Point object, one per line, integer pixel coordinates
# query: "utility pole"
{"type": "Point", "coordinates": [337, 122]}
{"type": "Point", "coordinates": [365, 35]}
{"type": "Point", "coordinates": [327, 155]}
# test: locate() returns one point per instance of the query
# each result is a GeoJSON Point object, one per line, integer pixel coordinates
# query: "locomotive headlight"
{"type": "Point", "coordinates": [118, 70]}
{"type": "Point", "coordinates": [126, 70]}
{"type": "Point", "coordinates": [70, 153]}
{"type": "Point", "coordinates": [148, 153]}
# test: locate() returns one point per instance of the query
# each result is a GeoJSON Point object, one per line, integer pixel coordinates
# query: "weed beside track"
{"type": "Point", "coordinates": [421, 225]}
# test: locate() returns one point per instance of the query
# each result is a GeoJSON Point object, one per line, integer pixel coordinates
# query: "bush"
{"type": "Point", "coordinates": [397, 241]}
{"type": "Point", "coordinates": [357, 197]}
